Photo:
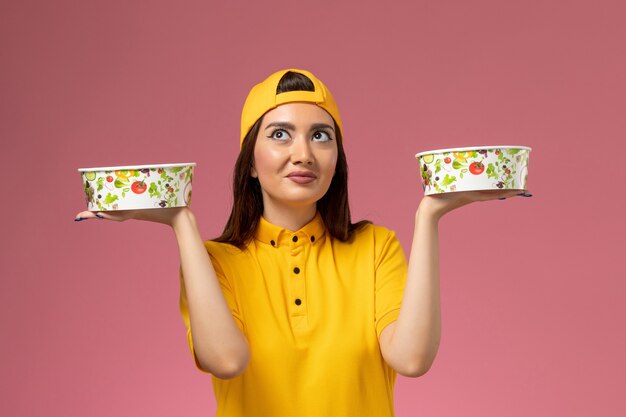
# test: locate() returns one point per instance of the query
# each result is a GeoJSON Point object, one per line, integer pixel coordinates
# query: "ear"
{"type": "Point", "coordinates": [253, 172]}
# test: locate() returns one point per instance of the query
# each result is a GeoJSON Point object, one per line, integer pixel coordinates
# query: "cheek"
{"type": "Point", "coordinates": [331, 164]}
{"type": "Point", "coordinates": [264, 161]}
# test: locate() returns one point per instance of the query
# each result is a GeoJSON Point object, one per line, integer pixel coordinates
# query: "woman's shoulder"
{"type": "Point", "coordinates": [378, 241]}
{"type": "Point", "coordinates": [219, 249]}
{"type": "Point", "coordinates": [373, 234]}
{"type": "Point", "coordinates": [373, 229]}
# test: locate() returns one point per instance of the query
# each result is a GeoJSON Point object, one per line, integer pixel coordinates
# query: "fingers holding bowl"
{"type": "Point", "coordinates": [488, 195]}
{"type": "Point", "coordinates": [160, 215]}
{"type": "Point", "coordinates": [115, 216]}
{"type": "Point", "coordinates": [522, 194]}
{"type": "Point", "coordinates": [85, 215]}
{"type": "Point", "coordinates": [443, 203]}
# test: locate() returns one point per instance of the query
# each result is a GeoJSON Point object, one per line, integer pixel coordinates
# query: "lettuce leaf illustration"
{"type": "Point", "coordinates": [438, 166]}
{"type": "Point", "coordinates": [491, 172]}
{"type": "Point", "coordinates": [120, 183]}
{"type": "Point", "coordinates": [110, 198]}
{"type": "Point", "coordinates": [456, 164]}
{"type": "Point", "coordinates": [448, 180]}
{"type": "Point", "coordinates": [153, 190]}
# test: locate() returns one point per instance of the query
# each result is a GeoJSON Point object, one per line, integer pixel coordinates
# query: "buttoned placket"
{"type": "Point", "coordinates": [297, 273]}
{"type": "Point", "coordinates": [297, 247]}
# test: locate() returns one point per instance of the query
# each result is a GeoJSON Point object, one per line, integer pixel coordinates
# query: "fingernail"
{"type": "Point", "coordinates": [79, 219]}
{"type": "Point", "coordinates": [99, 216]}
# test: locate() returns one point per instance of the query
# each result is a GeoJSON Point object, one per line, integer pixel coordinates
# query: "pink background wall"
{"type": "Point", "coordinates": [532, 289]}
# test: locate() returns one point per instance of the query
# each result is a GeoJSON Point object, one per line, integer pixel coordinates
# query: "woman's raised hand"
{"type": "Point", "coordinates": [440, 204]}
{"type": "Point", "coordinates": [157, 215]}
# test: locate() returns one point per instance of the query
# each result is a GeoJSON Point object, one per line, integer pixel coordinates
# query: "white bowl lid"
{"type": "Point", "coordinates": [136, 167]}
{"type": "Point", "coordinates": [472, 148]}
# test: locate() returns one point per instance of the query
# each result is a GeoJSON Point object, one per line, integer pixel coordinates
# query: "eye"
{"type": "Point", "coordinates": [321, 136]}
{"type": "Point", "coordinates": [280, 134]}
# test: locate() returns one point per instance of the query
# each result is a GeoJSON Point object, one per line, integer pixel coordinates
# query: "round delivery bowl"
{"type": "Point", "coordinates": [474, 168]}
{"type": "Point", "coordinates": [137, 187]}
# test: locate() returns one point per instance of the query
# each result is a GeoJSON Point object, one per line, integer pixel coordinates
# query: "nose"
{"type": "Point", "coordinates": [301, 152]}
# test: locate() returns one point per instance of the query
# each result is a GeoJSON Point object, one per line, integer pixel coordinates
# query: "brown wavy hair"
{"type": "Point", "coordinates": [248, 198]}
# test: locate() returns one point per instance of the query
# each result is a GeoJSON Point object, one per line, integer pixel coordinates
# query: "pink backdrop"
{"type": "Point", "coordinates": [532, 289]}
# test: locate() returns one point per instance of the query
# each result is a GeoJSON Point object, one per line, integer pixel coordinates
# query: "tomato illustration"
{"type": "Point", "coordinates": [476, 168]}
{"type": "Point", "coordinates": [138, 187]}
{"type": "Point", "coordinates": [109, 178]}
{"type": "Point", "coordinates": [447, 160]}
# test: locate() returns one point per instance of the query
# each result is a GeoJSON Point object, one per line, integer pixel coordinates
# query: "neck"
{"type": "Point", "coordinates": [290, 218]}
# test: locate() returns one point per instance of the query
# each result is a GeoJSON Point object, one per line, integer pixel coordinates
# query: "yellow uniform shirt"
{"type": "Point", "coordinates": [312, 309]}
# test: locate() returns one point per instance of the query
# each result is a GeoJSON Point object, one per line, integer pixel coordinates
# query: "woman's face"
{"type": "Point", "coordinates": [295, 155]}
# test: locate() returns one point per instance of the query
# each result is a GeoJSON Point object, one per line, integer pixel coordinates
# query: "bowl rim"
{"type": "Point", "coordinates": [134, 167]}
{"type": "Point", "coordinates": [470, 148]}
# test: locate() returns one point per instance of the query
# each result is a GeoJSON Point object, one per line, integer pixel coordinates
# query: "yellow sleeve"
{"type": "Point", "coordinates": [226, 291]}
{"type": "Point", "coordinates": [391, 274]}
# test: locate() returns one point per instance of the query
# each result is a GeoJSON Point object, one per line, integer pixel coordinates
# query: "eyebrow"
{"type": "Point", "coordinates": [285, 125]}
{"type": "Point", "coordinates": [291, 126]}
{"type": "Point", "coordinates": [316, 126]}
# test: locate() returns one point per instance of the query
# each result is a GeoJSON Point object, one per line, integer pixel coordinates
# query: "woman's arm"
{"type": "Point", "coordinates": [219, 345]}
{"type": "Point", "coordinates": [410, 344]}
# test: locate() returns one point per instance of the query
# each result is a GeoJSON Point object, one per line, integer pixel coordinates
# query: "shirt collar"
{"type": "Point", "coordinates": [277, 236]}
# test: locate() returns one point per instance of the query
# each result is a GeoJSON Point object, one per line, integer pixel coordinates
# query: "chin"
{"type": "Point", "coordinates": [298, 199]}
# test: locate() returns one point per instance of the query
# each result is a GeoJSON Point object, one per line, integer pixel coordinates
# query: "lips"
{"type": "Point", "coordinates": [302, 174]}
{"type": "Point", "coordinates": [302, 177]}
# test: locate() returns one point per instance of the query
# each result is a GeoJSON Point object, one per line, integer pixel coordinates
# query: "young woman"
{"type": "Point", "coordinates": [295, 310]}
